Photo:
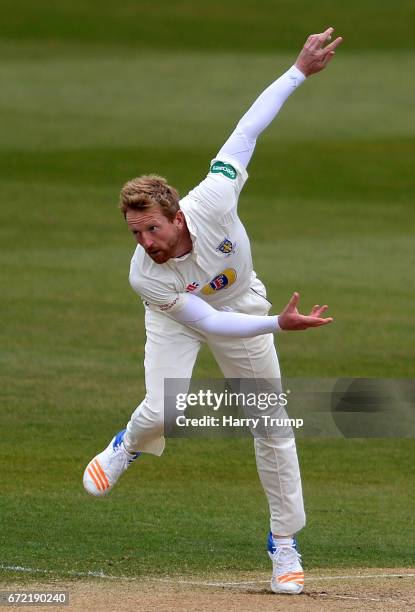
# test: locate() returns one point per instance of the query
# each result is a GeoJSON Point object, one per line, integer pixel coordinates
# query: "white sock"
{"type": "Point", "coordinates": [286, 541]}
{"type": "Point", "coordinates": [130, 454]}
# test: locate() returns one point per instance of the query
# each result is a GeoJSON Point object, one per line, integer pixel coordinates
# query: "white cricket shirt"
{"type": "Point", "coordinates": [219, 267]}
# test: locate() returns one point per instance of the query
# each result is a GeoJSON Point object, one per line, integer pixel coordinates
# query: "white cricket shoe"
{"type": "Point", "coordinates": [287, 573]}
{"type": "Point", "coordinates": [104, 470]}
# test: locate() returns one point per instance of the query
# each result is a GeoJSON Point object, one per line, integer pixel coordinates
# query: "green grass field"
{"type": "Point", "coordinates": [86, 104]}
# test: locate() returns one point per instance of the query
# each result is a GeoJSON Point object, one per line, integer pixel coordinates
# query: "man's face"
{"type": "Point", "coordinates": [157, 235]}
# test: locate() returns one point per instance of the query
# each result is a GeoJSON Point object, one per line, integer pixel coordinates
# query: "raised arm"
{"type": "Point", "coordinates": [313, 58]}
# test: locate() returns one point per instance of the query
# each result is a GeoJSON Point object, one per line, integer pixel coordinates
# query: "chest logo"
{"type": "Point", "coordinates": [221, 281]}
{"type": "Point", "coordinates": [192, 287]}
{"type": "Point", "coordinates": [226, 247]}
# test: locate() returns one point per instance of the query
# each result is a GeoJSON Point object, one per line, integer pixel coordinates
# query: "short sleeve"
{"type": "Point", "coordinates": [156, 296]}
{"type": "Point", "coordinates": [221, 188]}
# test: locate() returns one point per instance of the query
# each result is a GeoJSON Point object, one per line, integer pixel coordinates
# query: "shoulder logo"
{"type": "Point", "coordinates": [225, 169]}
{"type": "Point", "coordinates": [226, 246]}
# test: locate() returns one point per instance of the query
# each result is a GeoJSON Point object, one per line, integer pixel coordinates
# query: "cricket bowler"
{"type": "Point", "coordinates": [193, 269]}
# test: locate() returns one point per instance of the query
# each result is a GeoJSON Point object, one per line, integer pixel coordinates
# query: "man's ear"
{"type": "Point", "coordinates": [179, 218]}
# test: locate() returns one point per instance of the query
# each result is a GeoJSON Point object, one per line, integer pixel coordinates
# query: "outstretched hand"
{"type": "Point", "coordinates": [314, 56]}
{"type": "Point", "coordinates": [291, 320]}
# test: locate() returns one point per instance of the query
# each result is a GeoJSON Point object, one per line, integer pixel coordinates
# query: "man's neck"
{"type": "Point", "coordinates": [184, 244]}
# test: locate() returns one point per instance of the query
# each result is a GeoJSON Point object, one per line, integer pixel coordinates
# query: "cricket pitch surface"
{"type": "Point", "coordinates": [345, 589]}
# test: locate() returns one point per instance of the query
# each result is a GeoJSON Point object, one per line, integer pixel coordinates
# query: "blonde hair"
{"type": "Point", "coordinates": [149, 190]}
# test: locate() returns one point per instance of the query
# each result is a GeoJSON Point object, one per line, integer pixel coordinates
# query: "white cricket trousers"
{"type": "Point", "coordinates": [170, 352]}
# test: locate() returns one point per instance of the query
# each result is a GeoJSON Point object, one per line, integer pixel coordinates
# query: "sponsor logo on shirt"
{"type": "Point", "coordinates": [225, 169]}
{"type": "Point", "coordinates": [226, 246]}
{"type": "Point", "coordinates": [164, 307]}
{"type": "Point", "coordinates": [221, 281]}
{"type": "Point", "coordinates": [192, 287]}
